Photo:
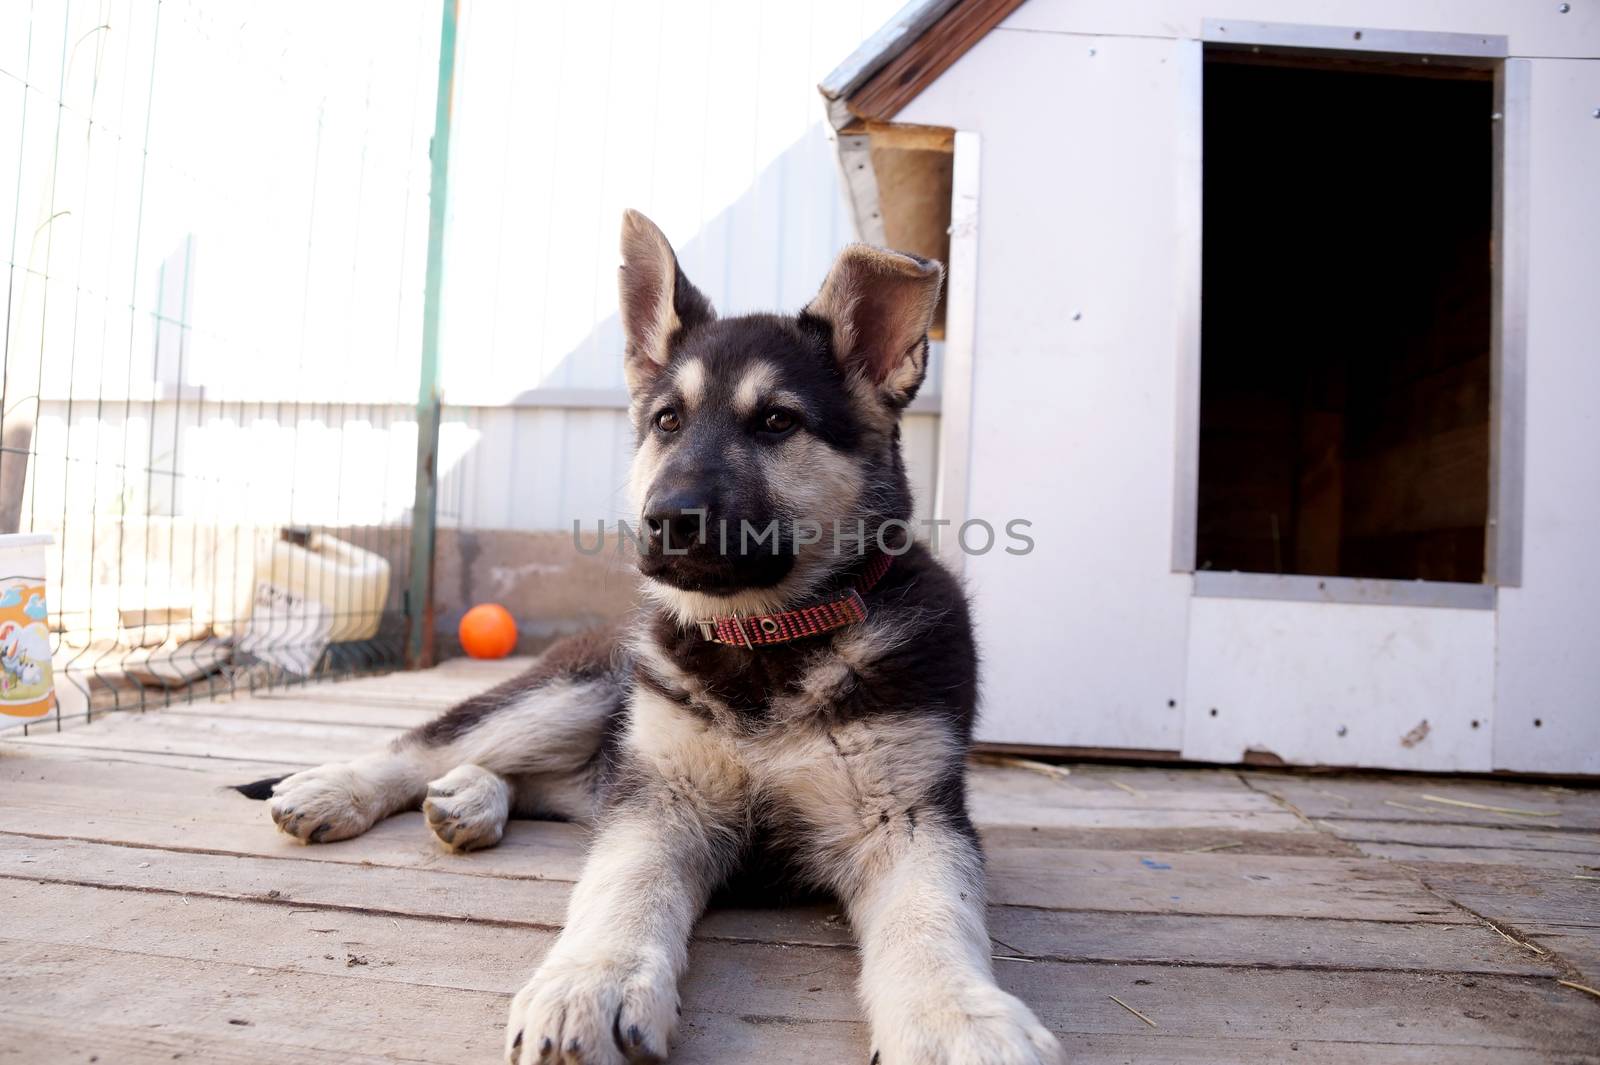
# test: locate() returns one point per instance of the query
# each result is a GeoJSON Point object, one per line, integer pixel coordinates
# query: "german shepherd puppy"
{"type": "Point", "coordinates": [781, 703]}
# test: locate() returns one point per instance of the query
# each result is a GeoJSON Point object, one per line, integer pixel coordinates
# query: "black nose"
{"type": "Point", "coordinates": [677, 520]}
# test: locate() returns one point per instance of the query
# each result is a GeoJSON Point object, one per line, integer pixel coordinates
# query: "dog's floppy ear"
{"type": "Point", "coordinates": [658, 303]}
{"type": "Point", "coordinates": [879, 305]}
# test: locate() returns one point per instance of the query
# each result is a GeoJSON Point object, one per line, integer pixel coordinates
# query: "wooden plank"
{"type": "Point", "coordinates": [1239, 838]}
{"type": "Point", "coordinates": [287, 1011]}
{"type": "Point", "coordinates": [1001, 796]}
{"type": "Point", "coordinates": [311, 893]}
{"type": "Point", "coordinates": [190, 811]}
{"type": "Point", "coordinates": [1126, 787]}
{"type": "Point", "coordinates": [433, 701]}
{"type": "Point", "coordinates": [775, 1041]}
{"type": "Point", "coordinates": [893, 37]}
{"type": "Point", "coordinates": [195, 965]}
{"type": "Point", "coordinates": [311, 733]}
{"type": "Point", "coordinates": [527, 901]}
{"type": "Point", "coordinates": [1074, 753]}
{"type": "Point", "coordinates": [1515, 895]}
{"type": "Point", "coordinates": [1154, 778]}
{"type": "Point", "coordinates": [935, 49]}
{"type": "Point", "coordinates": [71, 1039]}
{"type": "Point", "coordinates": [33, 755]}
{"type": "Point", "coordinates": [1387, 1008]}
{"type": "Point", "coordinates": [1157, 1049]}
{"type": "Point", "coordinates": [906, 137]}
{"type": "Point", "coordinates": [1565, 862]}
{"type": "Point", "coordinates": [1113, 817]}
{"type": "Point", "coordinates": [553, 851]}
{"type": "Point", "coordinates": [1259, 942]}
{"type": "Point", "coordinates": [286, 743]}
{"type": "Point", "coordinates": [1126, 799]}
{"type": "Point", "coordinates": [478, 669]}
{"type": "Point", "coordinates": [397, 949]}
{"type": "Point", "coordinates": [311, 711]}
{"type": "Point", "coordinates": [428, 693]}
{"type": "Point", "coordinates": [71, 794]}
{"type": "Point", "coordinates": [1470, 839]}
{"type": "Point", "coordinates": [442, 686]}
{"type": "Point", "coordinates": [1575, 946]}
{"type": "Point", "coordinates": [1217, 883]}
{"type": "Point", "coordinates": [1400, 799]}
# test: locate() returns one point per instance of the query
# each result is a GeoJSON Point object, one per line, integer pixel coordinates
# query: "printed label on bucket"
{"type": "Point", "coordinates": [25, 679]}
{"type": "Point", "coordinates": [286, 629]}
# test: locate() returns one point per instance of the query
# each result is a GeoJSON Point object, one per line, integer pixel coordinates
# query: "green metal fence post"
{"type": "Point", "coordinates": [424, 513]}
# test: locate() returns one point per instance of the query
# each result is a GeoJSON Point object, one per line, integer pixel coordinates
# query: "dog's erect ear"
{"type": "Point", "coordinates": [879, 305]}
{"type": "Point", "coordinates": [658, 303]}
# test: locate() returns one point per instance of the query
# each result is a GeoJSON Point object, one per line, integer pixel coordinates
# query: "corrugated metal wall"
{"type": "Point", "coordinates": [259, 294]}
{"type": "Point", "coordinates": [704, 116]}
{"type": "Point", "coordinates": [216, 224]}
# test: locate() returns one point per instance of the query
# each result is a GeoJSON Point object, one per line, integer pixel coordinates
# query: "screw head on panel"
{"type": "Point", "coordinates": [1344, 730]}
{"type": "Point", "coordinates": [1563, 8]}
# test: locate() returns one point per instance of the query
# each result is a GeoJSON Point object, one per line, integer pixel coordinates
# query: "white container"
{"type": "Point", "coordinates": [26, 684]}
{"type": "Point", "coordinates": [312, 591]}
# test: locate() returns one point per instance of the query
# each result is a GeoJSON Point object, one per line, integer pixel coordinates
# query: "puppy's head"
{"type": "Point", "coordinates": [766, 444]}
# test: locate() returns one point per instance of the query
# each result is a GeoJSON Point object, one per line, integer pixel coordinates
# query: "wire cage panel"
{"type": "Point", "coordinates": [214, 233]}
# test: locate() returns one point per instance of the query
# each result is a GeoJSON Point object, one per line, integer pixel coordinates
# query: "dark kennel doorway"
{"type": "Point", "coordinates": [1345, 316]}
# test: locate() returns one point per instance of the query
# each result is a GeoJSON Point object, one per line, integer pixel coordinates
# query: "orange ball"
{"type": "Point", "coordinates": [488, 631]}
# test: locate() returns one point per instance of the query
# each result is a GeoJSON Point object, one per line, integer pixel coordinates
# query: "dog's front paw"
{"type": "Point", "coordinates": [467, 807]}
{"type": "Point", "coordinates": [595, 1013]}
{"type": "Point", "coordinates": [330, 802]}
{"type": "Point", "coordinates": [981, 1026]}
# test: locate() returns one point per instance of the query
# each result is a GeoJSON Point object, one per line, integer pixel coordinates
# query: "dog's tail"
{"type": "Point", "coordinates": [260, 790]}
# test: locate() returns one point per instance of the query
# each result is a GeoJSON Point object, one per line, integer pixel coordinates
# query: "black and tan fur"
{"type": "Point", "coordinates": [833, 763]}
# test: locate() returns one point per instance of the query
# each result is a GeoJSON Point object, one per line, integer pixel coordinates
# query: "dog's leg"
{"type": "Point", "coordinates": [608, 990]}
{"type": "Point", "coordinates": [547, 723]}
{"type": "Point", "coordinates": [915, 898]}
{"type": "Point", "coordinates": [343, 799]}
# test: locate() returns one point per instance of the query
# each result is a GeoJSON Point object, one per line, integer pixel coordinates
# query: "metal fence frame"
{"type": "Point", "coordinates": [134, 548]}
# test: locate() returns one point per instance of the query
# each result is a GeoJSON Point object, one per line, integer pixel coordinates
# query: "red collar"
{"type": "Point", "coordinates": [814, 620]}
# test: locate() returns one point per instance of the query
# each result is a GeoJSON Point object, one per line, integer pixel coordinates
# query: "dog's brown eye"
{"type": "Point", "coordinates": [777, 421]}
{"type": "Point", "coordinates": [667, 421]}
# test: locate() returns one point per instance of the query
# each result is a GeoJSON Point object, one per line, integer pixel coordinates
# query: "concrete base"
{"type": "Point", "coordinates": [549, 586]}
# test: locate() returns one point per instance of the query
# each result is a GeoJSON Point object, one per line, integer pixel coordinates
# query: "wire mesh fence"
{"type": "Point", "coordinates": [214, 223]}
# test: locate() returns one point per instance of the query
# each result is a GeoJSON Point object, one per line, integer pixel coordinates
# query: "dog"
{"type": "Point", "coordinates": [781, 710]}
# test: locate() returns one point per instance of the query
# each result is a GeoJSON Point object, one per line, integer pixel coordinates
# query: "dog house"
{"type": "Point", "coordinates": [1282, 336]}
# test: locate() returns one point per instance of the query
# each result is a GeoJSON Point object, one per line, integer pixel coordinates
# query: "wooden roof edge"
{"type": "Point", "coordinates": [894, 37]}
{"type": "Point", "coordinates": [894, 65]}
{"type": "Point", "coordinates": [887, 72]}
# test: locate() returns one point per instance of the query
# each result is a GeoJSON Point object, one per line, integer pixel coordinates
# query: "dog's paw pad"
{"type": "Point", "coordinates": [467, 808]}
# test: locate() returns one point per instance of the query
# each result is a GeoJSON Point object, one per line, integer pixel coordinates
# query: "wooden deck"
{"type": "Point", "coordinates": [152, 915]}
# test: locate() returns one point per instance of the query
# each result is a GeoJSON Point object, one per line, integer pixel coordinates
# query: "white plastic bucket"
{"type": "Point", "coordinates": [26, 684]}
{"type": "Point", "coordinates": [312, 593]}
